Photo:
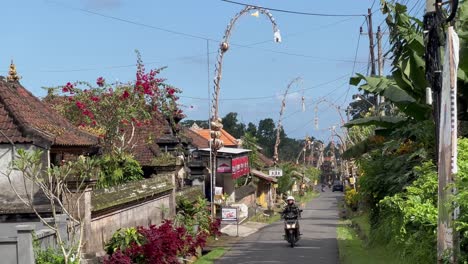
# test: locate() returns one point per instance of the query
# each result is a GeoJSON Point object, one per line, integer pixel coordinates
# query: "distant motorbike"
{"type": "Point", "coordinates": [291, 226]}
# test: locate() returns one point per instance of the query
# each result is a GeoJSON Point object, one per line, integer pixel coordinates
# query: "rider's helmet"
{"type": "Point", "coordinates": [290, 200]}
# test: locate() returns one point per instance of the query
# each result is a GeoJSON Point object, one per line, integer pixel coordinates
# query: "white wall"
{"type": "Point", "coordinates": [8, 199]}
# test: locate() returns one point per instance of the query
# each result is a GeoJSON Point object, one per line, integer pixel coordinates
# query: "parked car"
{"type": "Point", "coordinates": [337, 186]}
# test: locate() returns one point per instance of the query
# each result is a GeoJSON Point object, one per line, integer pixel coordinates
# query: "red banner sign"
{"type": "Point", "coordinates": [240, 167]}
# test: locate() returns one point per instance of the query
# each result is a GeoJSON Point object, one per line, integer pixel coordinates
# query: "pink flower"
{"type": "Point", "coordinates": [100, 81]}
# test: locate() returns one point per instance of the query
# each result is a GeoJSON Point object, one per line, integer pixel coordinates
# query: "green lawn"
{"type": "Point", "coordinates": [213, 255]}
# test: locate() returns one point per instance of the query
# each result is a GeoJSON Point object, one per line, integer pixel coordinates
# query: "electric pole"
{"type": "Point", "coordinates": [447, 239]}
{"type": "Point", "coordinates": [371, 41]}
{"type": "Point", "coordinates": [380, 60]}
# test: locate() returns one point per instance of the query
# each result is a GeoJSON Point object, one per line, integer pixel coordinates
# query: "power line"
{"type": "Point", "coordinates": [270, 96]}
{"type": "Point", "coordinates": [295, 12]}
{"type": "Point", "coordinates": [251, 46]}
{"type": "Point", "coordinates": [354, 65]}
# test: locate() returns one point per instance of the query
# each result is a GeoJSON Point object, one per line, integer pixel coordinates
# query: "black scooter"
{"type": "Point", "coordinates": [291, 226]}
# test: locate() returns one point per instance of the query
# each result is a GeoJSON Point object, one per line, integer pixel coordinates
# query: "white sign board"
{"type": "Point", "coordinates": [229, 214]}
{"type": "Point", "coordinates": [275, 172]}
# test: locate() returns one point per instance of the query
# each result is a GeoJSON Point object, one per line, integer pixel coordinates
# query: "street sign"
{"type": "Point", "coordinates": [229, 214]}
{"type": "Point", "coordinates": [275, 172]}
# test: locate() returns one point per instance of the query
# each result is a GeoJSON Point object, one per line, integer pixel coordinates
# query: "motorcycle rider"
{"type": "Point", "coordinates": [291, 208]}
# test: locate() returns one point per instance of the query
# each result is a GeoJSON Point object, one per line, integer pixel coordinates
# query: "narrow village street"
{"type": "Point", "coordinates": [317, 245]}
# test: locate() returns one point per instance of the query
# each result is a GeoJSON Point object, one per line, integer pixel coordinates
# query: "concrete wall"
{"type": "Point", "coordinates": [249, 200]}
{"type": "Point", "coordinates": [226, 181]}
{"type": "Point", "coordinates": [8, 199]}
{"type": "Point", "coordinates": [18, 249]}
{"type": "Point", "coordinates": [144, 214]}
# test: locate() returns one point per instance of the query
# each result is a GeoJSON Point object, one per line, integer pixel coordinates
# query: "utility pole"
{"type": "Point", "coordinates": [380, 60]}
{"type": "Point", "coordinates": [447, 238]}
{"type": "Point", "coordinates": [371, 41]}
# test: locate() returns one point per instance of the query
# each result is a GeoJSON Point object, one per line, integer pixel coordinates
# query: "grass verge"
{"type": "Point", "coordinates": [353, 249]}
{"type": "Point", "coordinates": [307, 197]}
{"type": "Point", "coordinates": [213, 255]}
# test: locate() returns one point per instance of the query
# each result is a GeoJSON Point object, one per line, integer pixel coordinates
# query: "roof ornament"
{"type": "Point", "coordinates": [12, 74]}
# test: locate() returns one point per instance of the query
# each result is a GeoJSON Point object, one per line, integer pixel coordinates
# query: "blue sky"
{"type": "Point", "coordinates": [53, 42]}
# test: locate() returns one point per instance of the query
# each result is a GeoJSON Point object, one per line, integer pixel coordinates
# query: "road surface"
{"type": "Point", "coordinates": [317, 245]}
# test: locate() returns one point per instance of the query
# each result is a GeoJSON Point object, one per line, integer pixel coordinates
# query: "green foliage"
{"type": "Point", "coordinates": [49, 255]}
{"type": "Point", "coordinates": [383, 121]}
{"type": "Point", "coordinates": [462, 197]}
{"type": "Point", "coordinates": [266, 135]}
{"type": "Point", "coordinates": [250, 142]}
{"type": "Point", "coordinates": [192, 214]}
{"type": "Point", "coordinates": [312, 173]}
{"type": "Point", "coordinates": [286, 181]}
{"type": "Point", "coordinates": [409, 219]}
{"type": "Point", "coordinates": [232, 125]}
{"type": "Point", "coordinates": [122, 239]}
{"type": "Point", "coordinates": [164, 159]}
{"type": "Point", "coordinates": [117, 169]}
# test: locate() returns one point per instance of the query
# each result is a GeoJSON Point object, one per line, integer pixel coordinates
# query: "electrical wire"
{"type": "Point", "coordinates": [251, 46]}
{"type": "Point", "coordinates": [294, 12]}
{"type": "Point", "coordinates": [354, 64]}
{"type": "Point", "coordinates": [271, 96]}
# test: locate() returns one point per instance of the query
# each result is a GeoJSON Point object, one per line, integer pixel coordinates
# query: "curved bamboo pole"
{"type": "Point", "coordinates": [279, 126]}
{"type": "Point", "coordinates": [224, 46]}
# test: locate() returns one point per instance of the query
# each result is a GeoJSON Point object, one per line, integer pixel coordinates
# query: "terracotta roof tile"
{"type": "Point", "coordinates": [229, 141]}
{"type": "Point", "coordinates": [26, 119]}
{"type": "Point", "coordinates": [197, 140]}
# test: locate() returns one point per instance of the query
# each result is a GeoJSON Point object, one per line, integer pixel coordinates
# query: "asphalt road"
{"type": "Point", "coordinates": [317, 245]}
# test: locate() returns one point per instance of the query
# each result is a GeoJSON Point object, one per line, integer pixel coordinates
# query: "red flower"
{"type": "Point", "coordinates": [125, 94]}
{"type": "Point", "coordinates": [95, 99]}
{"type": "Point", "coordinates": [170, 90]}
{"type": "Point", "coordinates": [67, 88]}
{"type": "Point", "coordinates": [88, 113]}
{"type": "Point", "coordinates": [80, 105]}
{"type": "Point", "coordinates": [100, 81]}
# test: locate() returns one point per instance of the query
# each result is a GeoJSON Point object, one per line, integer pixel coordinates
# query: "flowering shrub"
{"type": "Point", "coordinates": [112, 111]}
{"type": "Point", "coordinates": [159, 245]}
{"type": "Point", "coordinates": [351, 198]}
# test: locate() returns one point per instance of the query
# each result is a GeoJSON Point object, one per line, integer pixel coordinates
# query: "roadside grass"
{"type": "Point", "coordinates": [213, 255]}
{"type": "Point", "coordinates": [261, 218]}
{"type": "Point", "coordinates": [308, 196]}
{"type": "Point", "coordinates": [353, 249]}
{"type": "Point", "coordinates": [301, 201]}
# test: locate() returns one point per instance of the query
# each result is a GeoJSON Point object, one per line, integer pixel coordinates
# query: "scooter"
{"type": "Point", "coordinates": [291, 226]}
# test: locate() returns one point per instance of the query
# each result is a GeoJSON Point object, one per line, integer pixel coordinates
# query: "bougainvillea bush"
{"type": "Point", "coordinates": [162, 244]}
{"type": "Point", "coordinates": [113, 110]}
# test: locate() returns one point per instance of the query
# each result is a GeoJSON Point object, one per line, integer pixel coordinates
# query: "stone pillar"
{"type": "Point", "coordinates": [25, 244]}
{"type": "Point", "coordinates": [84, 211]}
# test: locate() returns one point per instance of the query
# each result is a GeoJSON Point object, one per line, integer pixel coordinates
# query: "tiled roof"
{"type": "Point", "coordinates": [25, 119]}
{"type": "Point", "coordinates": [265, 160]}
{"type": "Point", "coordinates": [229, 141]}
{"type": "Point", "coordinates": [147, 138]}
{"type": "Point", "coordinates": [263, 176]}
{"type": "Point", "coordinates": [196, 140]}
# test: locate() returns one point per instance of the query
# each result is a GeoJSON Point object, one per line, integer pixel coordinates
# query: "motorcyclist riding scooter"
{"type": "Point", "coordinates": [291, 213]}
